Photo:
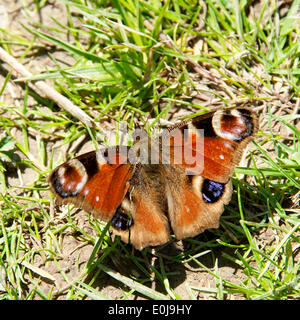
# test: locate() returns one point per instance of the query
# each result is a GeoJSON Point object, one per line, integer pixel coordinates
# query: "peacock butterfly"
{"type": "Point", "coordinates": [146, 198]}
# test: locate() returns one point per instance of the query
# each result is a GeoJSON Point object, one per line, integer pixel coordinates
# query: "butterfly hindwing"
{"type": "Point", "coordinates": [144, 207]}
{"type": "Point", "coordinates": [194, 203]}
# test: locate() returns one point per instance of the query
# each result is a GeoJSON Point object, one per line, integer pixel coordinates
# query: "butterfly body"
{"type": "Point", "coordinates": [146, 202]}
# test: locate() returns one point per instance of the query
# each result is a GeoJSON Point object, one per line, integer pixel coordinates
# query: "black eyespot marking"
{"type": "Point", "coordinates": [121, 221]}
{"type": "Point", "coordinates": [212, 191]}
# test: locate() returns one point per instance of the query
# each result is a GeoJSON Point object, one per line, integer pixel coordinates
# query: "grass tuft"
{"type": "Point", "coordinates": [143, 63]}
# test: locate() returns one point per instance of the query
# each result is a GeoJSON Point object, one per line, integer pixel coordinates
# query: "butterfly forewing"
{"type": "Point", "coordinates": [92, 183]}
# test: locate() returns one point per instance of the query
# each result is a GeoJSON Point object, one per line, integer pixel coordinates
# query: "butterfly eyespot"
{"type": "Point", "coordinates": [121, 221]}
{"type": "Point", "coordinates": [212, 191]}
{"type": "Point", "coordinates": [69, 179]}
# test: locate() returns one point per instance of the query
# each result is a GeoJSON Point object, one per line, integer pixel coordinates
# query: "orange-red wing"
{"type": "Point", "coordinates": [149, 225]}
{"type": "Point", "coordinates": [211, 146]}
{"type": "Point", "coordinates": [91, 182]}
